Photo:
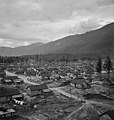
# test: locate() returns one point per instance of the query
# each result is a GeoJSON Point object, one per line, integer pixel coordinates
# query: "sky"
{"type": "Point", "coordinates": [23, 22]}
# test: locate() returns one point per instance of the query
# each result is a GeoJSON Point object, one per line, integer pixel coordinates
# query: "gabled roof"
{"type": "Point", "coordinates": [37, 87]}
{"type": "Point", "coordinates": [5, 92]}
{"type": "Point", "coordinates": [78, 81]}
{"type": "Point", "coordinates": [11, 77]}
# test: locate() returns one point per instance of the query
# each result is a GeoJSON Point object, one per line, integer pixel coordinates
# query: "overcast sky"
{"type": "Point", "coordinates": [23, 22]}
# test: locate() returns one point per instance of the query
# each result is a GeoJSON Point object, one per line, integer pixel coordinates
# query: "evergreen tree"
{"type": "Point", "coordinates": [99, 66]}
{"type": "Point", "coordinates": [108, 66]}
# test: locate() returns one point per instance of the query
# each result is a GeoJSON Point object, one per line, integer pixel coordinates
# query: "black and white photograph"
{"type": "Point", "coordinates": [56, 59]}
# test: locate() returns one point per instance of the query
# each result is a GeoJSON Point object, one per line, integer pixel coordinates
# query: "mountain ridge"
{"type": "Point", "coordinates": [17, 51]}
{"type": "Point", "coordinates": [96, 41]}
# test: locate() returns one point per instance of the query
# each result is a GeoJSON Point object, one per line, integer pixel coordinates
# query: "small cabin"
{"type": "Point", "coordinates": [18, 82]}
{"type": "Point", "coordinates": [80, 84]}
{"type": "Point", "coordinates": [35, 90]}
{"type": "Point", "coordinates": [8, 82]}
{"type": "Point", "coordinates": [6, 94]}
{"type": "Point", "coordinates": [5, 113]}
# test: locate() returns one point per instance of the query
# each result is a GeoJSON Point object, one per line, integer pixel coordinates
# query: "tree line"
{"type": "Point", "coordinates": [43, 57]}
{"type": "Point", "coordinates": [104, 65]}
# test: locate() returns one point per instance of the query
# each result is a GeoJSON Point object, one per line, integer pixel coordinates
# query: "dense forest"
{"type": "Point", "coordinates": [43, 57]}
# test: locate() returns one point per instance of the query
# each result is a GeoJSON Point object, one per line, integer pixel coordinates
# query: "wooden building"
{"type": "Point", "coordinates": [80, 83]}
{"type": "Point", "coordinates": [7, 94]}
{"type": "Point", "coordinates": [6, 113]}
{"type": "Point", "coordinates": [35, 90]}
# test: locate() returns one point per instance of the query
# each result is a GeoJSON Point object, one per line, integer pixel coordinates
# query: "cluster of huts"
{"type": "Point", "coordinates": [11, 94]}
{"type": "Point", "coordinates": [77, 73]}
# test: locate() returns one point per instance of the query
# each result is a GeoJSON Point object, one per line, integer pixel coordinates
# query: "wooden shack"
{"type": "Point", "coordinates": [6, 94]}
{"type": "Point", "coordinates": [35, 90]}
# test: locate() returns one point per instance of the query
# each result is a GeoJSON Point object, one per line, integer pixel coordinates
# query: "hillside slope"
{"type": "Point", "coordinates": [99, 41]}
{"type": "Point", "coordinates": [23, 50]}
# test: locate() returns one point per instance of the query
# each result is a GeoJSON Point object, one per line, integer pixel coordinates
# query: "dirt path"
{"type": "Point", "coordinates": [75, 112]}
{"type": "Point", "coordinates": [81, 99]}
{"type": "Point", "coordinates": [24, 78]}
{"type": "Point", "coordinates": [66, 94]}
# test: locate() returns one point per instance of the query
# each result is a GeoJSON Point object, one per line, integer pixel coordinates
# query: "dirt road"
{"type": "Point", "coordinates": [24, 78]}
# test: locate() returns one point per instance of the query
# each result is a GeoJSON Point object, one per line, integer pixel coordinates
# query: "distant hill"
{"type": "Point", "coordinates": [99, 41]}
{"type": "Point", "coordinates": [23, 50]}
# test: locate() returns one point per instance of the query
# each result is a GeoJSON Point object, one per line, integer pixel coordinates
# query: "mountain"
{"type": "Point", "coordinates": [99, 41]}
{"type": "Point", "coordinates": [23, 50]}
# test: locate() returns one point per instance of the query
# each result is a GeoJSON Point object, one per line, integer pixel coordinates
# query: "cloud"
{"type": "Point", "coordinates": [19, 10]}
{"type": "Point", "coordinates": [12, 43]}
{"type": "Point", "coordinates": [90, 24]}
{"type": "Point", "coordinates": [105, 2]}
{"type": "Point", "coordinates": [36, 30]}
{"type": "Point", "coordinates": [27, 21]}
{"type": "Point", "coordinates": [87, 25]}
